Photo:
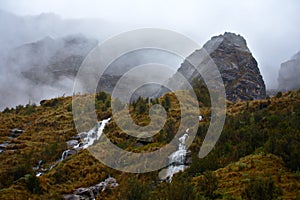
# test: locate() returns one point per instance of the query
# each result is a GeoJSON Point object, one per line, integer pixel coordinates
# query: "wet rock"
{"type": "Point", "coordinates": [142, 139]}
{"type": "Point", "coordinates": [76, 137]}
{"type": "Point", "coordinates": [138, 144]}
{"type": "Point", "coordinates": [82, 135]}
{"type": "Point", "coordinates": [4, 145]}
{"type": "Point", "coordinates": [72, 143]}
{"type": "Point", "coordinates": [88, 192]}
{"type": "Point", "coordinates": [72, 197]}
{"type": "Point", "coordinates": [67, 153]}
{"type": "Point", "coordinates": [93, 191]}
{"type": "Point", "coordinates": [16, 132]}
{"type": "Point", "coordinates": [188, 158]}
{"type": "Point", "coordinates": [39, 165]}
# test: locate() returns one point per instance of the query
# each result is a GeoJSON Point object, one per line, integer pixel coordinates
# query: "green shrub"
{"type": "Point", "coordinates": [180, 188]}
{"type": "Point", "coordinates": [260, 189]}
{"type": "Point", "coordinates": [279, 94]}
{"type": "Point", "coordinates": [135, 190]}
{"type": "Point", "coordinates": [208, 185]}
{"type": "Point", "coordinates": [32, 183]}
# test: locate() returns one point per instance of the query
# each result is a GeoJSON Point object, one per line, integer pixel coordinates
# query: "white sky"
{"type": "Point", "coordinates": [271, 27]}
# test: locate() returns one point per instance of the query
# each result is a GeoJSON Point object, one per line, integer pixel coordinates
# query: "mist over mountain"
{"type": "Point", "coordinates": [40, 54]}
{"type": "Point", "coordinates": [18, 30]}
{"type": "Point", "coordinates": [289, 74]}
{"type": "Point", "coordinates": [42, 69]}
{"type": "Point", "coordinates": [160, 126]}
{"type": "Point", "coordinates": [47, 68]}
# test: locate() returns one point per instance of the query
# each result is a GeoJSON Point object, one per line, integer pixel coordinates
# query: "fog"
{"type": "Point", "coordinates": [271, 29]}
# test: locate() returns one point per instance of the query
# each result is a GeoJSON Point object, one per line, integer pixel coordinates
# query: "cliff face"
{"type": "Point", "coordinates": [289, 74]}
{"type": "Point", "coordinates": [237, 66]}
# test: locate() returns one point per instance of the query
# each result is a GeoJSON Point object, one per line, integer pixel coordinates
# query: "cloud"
{"type": "Point", "coordinates": [271, 28]}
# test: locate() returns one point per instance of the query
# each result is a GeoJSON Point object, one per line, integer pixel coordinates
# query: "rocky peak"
{"type": "Point", "coordinates": [227, 39]}
{"type": "Point", "coordinates": [238, 67]}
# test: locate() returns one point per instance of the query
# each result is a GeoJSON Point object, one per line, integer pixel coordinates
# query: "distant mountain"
{"type": "Point", "coordinates": [42, 69]}
{"type": "Point", "coordinates": [28, 43]}
{"type": "Point", "coordinates": [48, 67]}
{"type": "Point", "coordinates": [47, 60]}
{"type": "Point", "coordinates": [237, 66]}
{"type": "Point", "coordinates": [50, 60]}
{"type": "Point", "coordinates": [289, 74]}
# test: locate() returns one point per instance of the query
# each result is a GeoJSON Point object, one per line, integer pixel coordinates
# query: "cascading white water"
{"type": "Point", "coordinates": [91, 136]}
{"type": "Point", "coordinates": [177, 158]}
{"type": "Point", "coordinates": [73, 146]}
{"type": "Point", "coordinates": [64, 155]}
{"type": "Point", "coordinates": [94, 134]}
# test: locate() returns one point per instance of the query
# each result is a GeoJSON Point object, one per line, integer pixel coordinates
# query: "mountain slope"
{"type": "Point", "coordinates": [252, 131]}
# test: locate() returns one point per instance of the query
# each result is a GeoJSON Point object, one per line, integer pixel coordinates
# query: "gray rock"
{"type": "Point", "coordinates": [143, 139]}
{"type": "Point", "coordinates": [67, 153]}
{"type": "Point", "coordinates": [82, 135]}
{"type": "Point", "coordinates": [72, 143]}
{"type": "Point", "coordinates": [93, 191]}
{"type": "Point", "coordinates": [85, 192]}
{"type": "Point", "coordinates": [188, 158]}
{"type": "Point", "coordinates": [72, 197]}
{"type": "Point", "coordinates": [237, 66]}
{"type": "Point", "coordinates": [16, 132]}
{"type": "Point", "coordinates": [4, 145]}
{"type": "Point", "coordinates": [138, 144]}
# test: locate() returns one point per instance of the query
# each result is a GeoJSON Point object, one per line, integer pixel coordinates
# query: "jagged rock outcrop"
{"type": "Point", "coordinates": [237, 66]}
{"type": "Point", "coordinates": [289, 73]}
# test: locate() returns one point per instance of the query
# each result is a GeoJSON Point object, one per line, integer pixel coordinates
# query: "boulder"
{"type": "Point", "coordinates": [142, 139]}
{"type": "Point", "coordinates": [93, 191]}
{"type": "Point", "coordinates": [72, 197]}
{"type": "Point", "coordinates": [72, 143]}
{"type": "Point", "coordinates": [188, 158]}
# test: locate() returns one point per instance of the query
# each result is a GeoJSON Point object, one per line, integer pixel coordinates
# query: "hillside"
{"type": "Point", "coordinates": [257, 152]}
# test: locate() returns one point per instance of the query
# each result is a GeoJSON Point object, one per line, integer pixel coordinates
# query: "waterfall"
{"type": "Point", "coordinates": [94, 134]}
{"type": "Point", "coordinates": [177, 158]}
{"type": "Point", "coordinates": [87, 139]}
{"type": "Point", "coordinates": [64, 155]}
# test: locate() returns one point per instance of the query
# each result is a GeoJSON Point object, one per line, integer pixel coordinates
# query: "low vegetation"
{"type": "Point", "coordinates": [256, 157]}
